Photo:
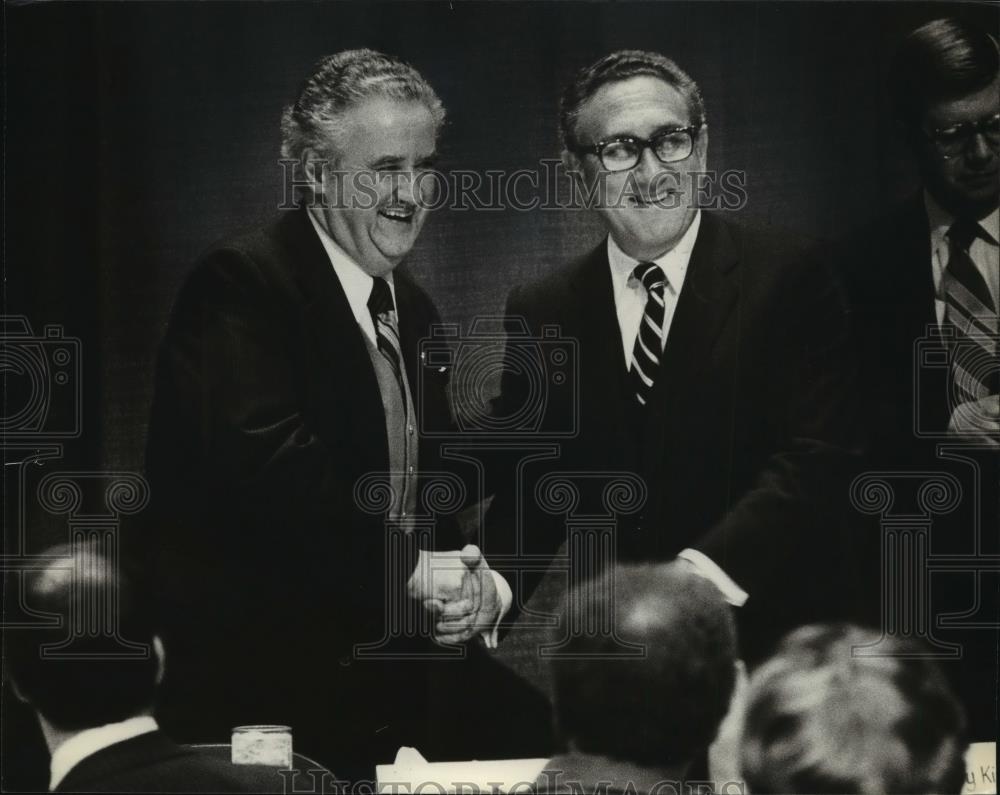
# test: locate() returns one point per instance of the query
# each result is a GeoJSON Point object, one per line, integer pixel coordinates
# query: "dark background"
{"type": "Point", "coordinates": [138, 134]}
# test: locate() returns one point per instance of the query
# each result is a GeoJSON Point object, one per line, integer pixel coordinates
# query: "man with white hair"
{"type": "Point", "coordinates": [288, 375]}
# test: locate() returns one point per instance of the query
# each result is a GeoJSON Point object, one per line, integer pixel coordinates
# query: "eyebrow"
{"type": "Point", "coordinates": [390, 160]}
{"type": "Point", "coordinates": [395, 160]}
{"type": "Point", "coordinates": [657, 131]}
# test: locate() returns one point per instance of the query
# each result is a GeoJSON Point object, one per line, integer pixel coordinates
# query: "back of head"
{"type": "Point", "coordinates": [941, 60]}
{"type": "Point", "coordinates": [660, 709]}
{"type": "Point", "coordinates": [94, 663]}
{"type": "Point", "coordinates": [825, 715]}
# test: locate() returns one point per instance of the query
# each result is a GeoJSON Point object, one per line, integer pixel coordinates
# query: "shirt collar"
{"type": "Point", "coordinates": [940, 221]}
{"type": "Point", "coordinates": [90, 741]}
{"type": "Point", "coordinates": [356, 283]}
{"type": "Point", "coordinates": [674, 262]}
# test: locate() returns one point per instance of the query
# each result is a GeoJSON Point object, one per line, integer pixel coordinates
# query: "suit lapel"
{"type": "Point", "coordinates": [414, 326]}
{"type": "Point", "coordinates": [328, 319]}
{"type": "Point", "coordinates": [706, 300]}
{"type": "Point", "coordinates": [911, 277]}
{"type": "Point", "coordinates": [595, 325]}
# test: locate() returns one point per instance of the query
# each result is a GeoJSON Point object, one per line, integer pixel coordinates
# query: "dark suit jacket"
{"type": "Point", "coordinates": [266, 414]}
{"type": "Point", "coordinates": [745, 451]}
{"type": "Point", "coordinates": [154, 763]}
{"type": "Point", "coordinates": [887, 272]}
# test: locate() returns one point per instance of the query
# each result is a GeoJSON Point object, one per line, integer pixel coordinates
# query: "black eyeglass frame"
{"type": "Point", "coordinates": [692, 130]}
{"type": "Point", "coordinates": [965, 133]}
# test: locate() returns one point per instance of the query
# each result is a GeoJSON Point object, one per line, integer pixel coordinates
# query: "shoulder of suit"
{"type": "Point", "coordinates": [888, 227]}
{"type": "Point", "coordinates": [258, 259]}
{"type": "Point", "coordinates": [551, 287]}
{"type": "Point", "coordinates": [753, 241]}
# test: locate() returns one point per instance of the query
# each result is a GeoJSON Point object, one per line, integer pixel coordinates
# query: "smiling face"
{"type": "Point", "coordinates": [969, 182]}
{"type": "Point", "coordinates": [649, 207]}
{"type": "Point", "coordinates": [369, 203]}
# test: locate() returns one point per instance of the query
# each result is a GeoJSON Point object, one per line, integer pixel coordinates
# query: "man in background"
{"type": "Point", "coordinates": [642, 681]}
{"type": "Point", "coordinates": [924, 285]}
{"type": "Point", "coordinates": [929, 270]}
{"type": "Point", "coordinates": [94, 695]}
{"type": "Point", "coordinates": [838, 710]}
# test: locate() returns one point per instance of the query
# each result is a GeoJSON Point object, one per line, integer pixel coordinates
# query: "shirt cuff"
{"type": "Point", "coordinates": [708, 569]}
{"type": "Point", "coordinates": [491, 636]}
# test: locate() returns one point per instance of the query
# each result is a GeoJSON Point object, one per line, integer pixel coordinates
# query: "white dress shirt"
{"type": "Point", "coordinates": [630, 295]}
{"type": "Point", "coordinates": [356, 283]}
{"type": "Point", "coordinates": [630, 305]}
{"type": "Point", "coordinates": [90, 741]}
{"type": "Point", "coordinates": [357, 286]}
{"type": "Point", "coordinates": [985, 253]}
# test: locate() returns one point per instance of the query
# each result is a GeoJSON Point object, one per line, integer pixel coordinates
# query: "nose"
{"type": "Point", "coordinates": [404, 187]}
{"type": "Point", "coordinates": [649, 164]}
{"type": "Point", "coordinates": [979, 149]}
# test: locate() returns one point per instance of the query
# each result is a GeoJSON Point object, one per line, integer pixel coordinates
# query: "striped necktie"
{"type": "Point", "coordinates": [970, 319]}
{"type": "Point", "coordinates": [649, 341]}
{"type": "Point", "coordinates": [386, 329]}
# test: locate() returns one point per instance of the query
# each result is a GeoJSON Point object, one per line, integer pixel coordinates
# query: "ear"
{"type": "Point", "coordinates": [571, 162]}
{"type": "Point", "coordinates": [17, 692]}
{"type": "Point", "coordinates": [314, 165]}
{"type": "Point", "coordinates": [161, 659]}
{"type": "Point", "coordinates": [701, 146]}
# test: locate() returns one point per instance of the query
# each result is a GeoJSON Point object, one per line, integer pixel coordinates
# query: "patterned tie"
{"type": "Point", "coordinates": [971, 319]}
{"type": "Point", "coordinates": [649, 341]}
{"type": "Point", "coordinates": [386, 329]}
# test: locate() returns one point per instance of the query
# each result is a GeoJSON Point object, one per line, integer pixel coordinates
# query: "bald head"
{"type": "Point", "coordinates": [94, 662]}
{"type": "Point", "coordinates": [659, 709]}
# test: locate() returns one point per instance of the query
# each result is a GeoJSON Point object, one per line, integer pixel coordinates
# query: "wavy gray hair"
{"type": "Point", "coordinates": [341, 81]}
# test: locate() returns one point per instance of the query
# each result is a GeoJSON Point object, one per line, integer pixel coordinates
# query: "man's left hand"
{"type": "Point", "coordinates": [475, 612]}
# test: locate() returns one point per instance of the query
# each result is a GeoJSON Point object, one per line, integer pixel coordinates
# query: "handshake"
{"type": "Point", "coordinates": [461, 593]}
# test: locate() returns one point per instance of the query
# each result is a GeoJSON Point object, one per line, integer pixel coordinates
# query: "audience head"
{"type": "Point", "coordinates": [659, 709]}
{"type": "Point", "coordinates": [827, 715]}
{"type": "Point", "coordinates": [99, 660]}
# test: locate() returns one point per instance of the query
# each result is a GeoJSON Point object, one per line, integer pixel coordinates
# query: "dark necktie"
{"type": "Point", "coordinates": [649, 341]}
{"type": "Point", "coordinates": [970, 319]}
{"type": "Point", "coordinates": [386, 329]}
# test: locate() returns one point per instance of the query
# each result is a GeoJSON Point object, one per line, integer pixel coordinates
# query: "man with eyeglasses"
{"type": "Point", "coordinates": [712, 364]}
{"type": "Point", "coordinates": [924, 286]}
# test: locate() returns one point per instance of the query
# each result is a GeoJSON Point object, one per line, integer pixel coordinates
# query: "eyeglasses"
{"type": "Point", "coordinates": [954, 140]}
{"type": "Point", "coordinates": [621, 154]}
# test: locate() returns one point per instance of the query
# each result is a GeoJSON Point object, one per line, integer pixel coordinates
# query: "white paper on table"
{"type": "Point", "coordinates": [411, 774]}
{"type": "Point", "coordinates": [980, 769]}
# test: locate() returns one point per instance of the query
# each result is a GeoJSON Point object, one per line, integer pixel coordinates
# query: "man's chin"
{"type": "Point", "coordinates": [648, 245]}
{"type": "Point", "coordinates": [393, 250]}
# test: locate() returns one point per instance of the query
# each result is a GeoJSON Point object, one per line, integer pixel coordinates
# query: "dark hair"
{"type": "Point", "coordinates": [618, 66]}
{"type": "Point", "coordinates": [665, 707]}
{"type": "Point", "coordinates": [340, 81]}
{"type": "Point", "coordinates": [942, 60]}
{"type": "Point", "coordinates": [841, 709]}
{"type": "Point", "coordinates": [86, 681]}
